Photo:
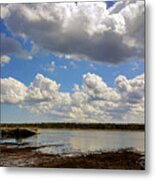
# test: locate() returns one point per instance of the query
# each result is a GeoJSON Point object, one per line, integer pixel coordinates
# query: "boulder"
{"type": "Point", "coordinates": [16, 133]}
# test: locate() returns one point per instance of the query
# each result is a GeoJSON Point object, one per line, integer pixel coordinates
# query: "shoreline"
{"type": "Point", "coordinates": [18, 154]}
{"type": "Point", "coordinates": [21, 156]}
{"type": "Point", "coordinates": [77, 126]}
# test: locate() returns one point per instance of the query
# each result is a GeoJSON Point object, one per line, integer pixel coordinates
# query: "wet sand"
{"type": "Point", "coordinates": [29, 157]}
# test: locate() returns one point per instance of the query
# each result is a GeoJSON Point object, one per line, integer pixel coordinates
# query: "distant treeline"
{"type": "Point", "coordinates": [77, 126]}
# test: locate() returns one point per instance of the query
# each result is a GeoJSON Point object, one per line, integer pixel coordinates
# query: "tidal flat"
{"type": "Point", "coordinates": [29, 157]}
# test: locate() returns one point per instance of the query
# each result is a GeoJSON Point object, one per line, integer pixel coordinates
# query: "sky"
{"type": "Point", "coordinates": [68, 62]}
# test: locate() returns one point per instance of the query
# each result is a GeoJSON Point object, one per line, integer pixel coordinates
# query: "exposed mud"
{"type": "Point", "coordinates": [30, 157]}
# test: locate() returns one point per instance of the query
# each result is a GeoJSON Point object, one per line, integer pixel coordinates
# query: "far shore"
{"type": "Point", "coordinates": [80, 126]}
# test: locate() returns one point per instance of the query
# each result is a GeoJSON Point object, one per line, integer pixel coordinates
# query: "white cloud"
{"type": "Point", "coordinates": [4, 60]}
{"type": "Point", "coordinates": [50, 67]}
{"type": "Point", "coordinates": [29, 57]}
{"type": "Point", "coordinates": [92, 66]}
{"type": "Point", "coordinates": [97, 89]}
{"type": "Point", "coordinates": [63, 67]}
{"type": "Point", "coordinates": [42, 89]}
{"type": "Point", "coordinates": [92, 101]}
{"type": "Point", "coordinates": [132, 91]}
{"type": "Point", "coordinates": [105, 35]}
{"type": "Point", "coordinates": [12, 91]}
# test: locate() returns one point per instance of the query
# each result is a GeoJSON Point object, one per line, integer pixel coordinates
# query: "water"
{"type": "Point", "coordinates": [60, 141]}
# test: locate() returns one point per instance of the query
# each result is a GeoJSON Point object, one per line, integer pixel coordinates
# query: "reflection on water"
{"type": "Point", "coordinates": [75, 141]}
{"type": "Point", "coordinates": [107, 140]}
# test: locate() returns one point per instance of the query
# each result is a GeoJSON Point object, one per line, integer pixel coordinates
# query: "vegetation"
{"type": "Point", "coordinates": [77, 126]}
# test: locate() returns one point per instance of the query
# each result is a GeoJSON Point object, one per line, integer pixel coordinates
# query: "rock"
{"type": "Point", "coordinates": [16, 133]}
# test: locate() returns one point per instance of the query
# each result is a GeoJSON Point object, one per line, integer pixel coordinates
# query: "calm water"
{"type": "Point", "coordinates": [83, 141]}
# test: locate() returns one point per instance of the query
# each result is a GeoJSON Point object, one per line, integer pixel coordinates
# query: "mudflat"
{"type": "Point", "coordinates": [30, 157]}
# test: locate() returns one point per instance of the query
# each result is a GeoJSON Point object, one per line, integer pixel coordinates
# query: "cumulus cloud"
{"type": "Point", "coordinates": [12, 91]}
{"type": "Point", "coordinates": [4, 60]}
{"type": "Point", "coordinates": [92, 101]}
{"type": "Point", "coordinates": [97, 89]}
{"type": "Point", "coordinates": [42, 89]}
{"type": "Point", "coordinates": [111, 35]}
{"type": "Point", "coordinates": [132, 91]}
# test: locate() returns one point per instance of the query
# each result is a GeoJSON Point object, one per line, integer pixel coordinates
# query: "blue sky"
{"type": "Point", "coordinates": [24, 66]}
